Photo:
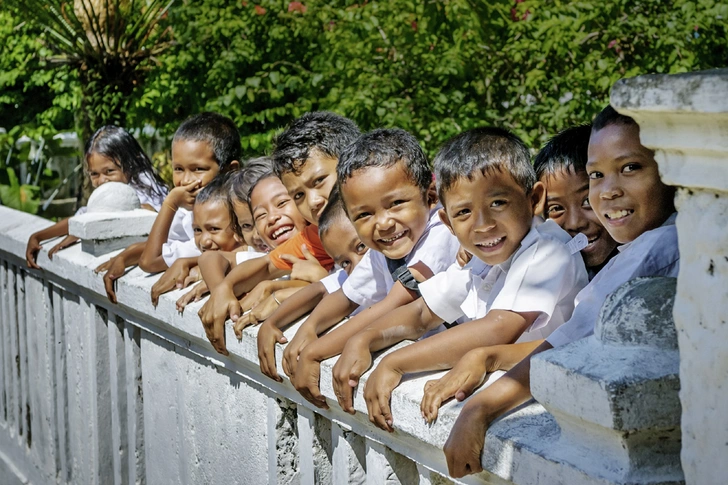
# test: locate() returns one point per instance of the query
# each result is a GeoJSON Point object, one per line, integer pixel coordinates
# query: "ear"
{"type": "Point", "coordinates": [445, 219]}
{"type": "Point", "coordinates": [232, 166]}
{"type": "Point", "coordinates": [538, 198]}
{"type": "Point", "coordinates": [432, 198]}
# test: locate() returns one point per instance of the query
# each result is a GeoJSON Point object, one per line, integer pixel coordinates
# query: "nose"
{"type": "Point", "coordinates": [483, 221]}
{"type": "Point", "coordinates": [188, 178]}
{"type": "Point", "coordinates": [609, 188]}
{"type": "Point", "coordinates": [316, 202]}
{"type": "Point", "coordinates": [205, 241]}
{"type": "Point", "coordinates": [101, 180]}
{"type": "Point", "coordinates": [273, 217]}
{"type": "Point", "coordinates": [384, 222]}
{"type": "Point", "coordinates": [574, 223]}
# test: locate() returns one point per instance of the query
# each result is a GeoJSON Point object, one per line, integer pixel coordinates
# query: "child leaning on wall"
{"type": "Point", "coordinates": [519, 286]}
{"type": "Point", "coordinates": [626, 193]}
{"type": "Point", "coordinates": [111, 155]}
{"type": "Point", "coordinates": [203, 146]}
{"type": "Point", "coordinates": [305, 157]}
{"type": "Point", "coordinates": [387, 188]}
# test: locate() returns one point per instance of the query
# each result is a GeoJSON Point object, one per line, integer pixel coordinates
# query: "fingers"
{"type": "Point", "coordinates": [242, 322]}
{"type": "Point", "coordinates": [54, 250]}
{"type": "Point", "coordinates": [31, 257]}
{"type": "Point", "coordinates": [379, 413]}
{"type": "Point", "coordinates": [307, 254]}
{"type": "Point", "coordinates": [218, 337]}
{"type": "Point", "coordinates": [267, 338]}
{"type": "Point", "coordinates": [109, 283]}
{"type": "Point", "coordinates": [188, 281]}
{"type": "Point", "coordinates": [234, 310]}
{"type": "Point", "coordinates": [103, 267]}
{"type": "Point", "coordinates": [289, 258]}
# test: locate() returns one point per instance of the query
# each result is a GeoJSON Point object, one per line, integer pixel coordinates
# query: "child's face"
{"type": "Point", "coordinates": [387, 209]}
{"type": "Point", "coordinates": [343, 245]}
{"type": "Point", "coordinates": [276, 217]}
{"type": "Point", "coordinates": [491, 214]}
{"type": "Point", "coordinates": [193, 161]}
{"type": "Point", "coordinates": [311, 188]}
{"type": "Point", "coordinates": [625, 189]}
{"type": "Point", "coordinates": [211, 225]}
{"type": "Point", "coordinates": [567, 203]}
{"type": "Point", "coordinates": [247, 227]}
{"type": "Point", "coordinates": [102, 169]}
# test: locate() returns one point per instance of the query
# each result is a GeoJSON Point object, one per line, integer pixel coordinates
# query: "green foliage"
{"type": "Point", "coordinates": [435, 67]}
{"type": "Point", "coordinates": [21, 197]}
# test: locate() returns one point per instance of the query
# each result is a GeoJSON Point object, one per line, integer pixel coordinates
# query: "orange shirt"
{"type": "Point", "coordinates": [309, 236]}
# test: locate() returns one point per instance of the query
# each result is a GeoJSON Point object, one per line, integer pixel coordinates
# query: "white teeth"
{"type": "Point", "coordinates": [490, 244]}
{"type": "Point", "coordinates": [393, 238]}
{"type": "Point", "coordinates": [618, 214]}
{"type": "Point", "coordinates": [280, 231]}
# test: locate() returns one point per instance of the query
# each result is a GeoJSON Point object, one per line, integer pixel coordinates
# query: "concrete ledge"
{"type": "Point", "coordinates": [112, 225]}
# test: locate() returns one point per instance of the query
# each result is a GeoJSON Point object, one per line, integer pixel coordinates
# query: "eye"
{"type": "Point", "coordinates": [361, 247]}
{"type": "Point", "coordinates": [283, 202]}
{"type": "Point", "coordinates": [345, 264]}
{"type": "Point", "coordinates": [498, 203]}
{"type": "Point", "coordinates": [197, 230]}
{"type": "Point", "coordinates": [260, 215]}
{"type": "Point", "coordinates": [595, 175]}
{"type": "Point", "coordinates": [246, 227]}
{"type": "Point", "coordinates": [319, 181]}
{"type": "Point", "coordinates": [110, 170]}
{"type": "Point", "coordinates": [298, 196]}
{"type": "Point", "coordinates": [398, 202]}
{"type": "Point", "coordinates": [361, 216]}
{"type": "Point", "coordinates": [178, 169]}
{"type": "Point", "coordinates": [585, 204]}
{"type": "Point", "coordinates": [554, 211]}
{"type": "Point", "coordinates": [462, 213]}
{"type": "Point", "coordinates": [631, 167]}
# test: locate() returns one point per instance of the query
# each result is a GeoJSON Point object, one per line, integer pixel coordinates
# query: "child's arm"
{"type": "Point", "coordinates": [214, 266]}
{"type": "Point", "coordinates": [31, 251]}
{"type": "Point", "coordinates": [266, 288]}
{"type": "Point", "coordinates": [175, 277]}
{"type": "Point", "coordinates": [223, 302]}
{"type": "Point", "coordinates": [470, 372]}
{"type": "Point", "coordinates": [151, 259]}
{"type": "Point", "coordinates": [333, 343]}
{"type": "Point", "coordinates": [467, 437]}
{"type": "Point", "coordinates": [288, 312]}
{"type": "Point", "coordinates": [116, 267]}
{"type": "Point", "coordinates": [439, 352]}
{"type": "Point", "coordinates": [407, 322]}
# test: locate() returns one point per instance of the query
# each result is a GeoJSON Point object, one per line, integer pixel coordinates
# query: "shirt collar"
{"type": "Point", "coordinates": [670, 221]}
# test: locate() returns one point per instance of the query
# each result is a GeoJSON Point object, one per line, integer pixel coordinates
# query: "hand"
{"type": "Point", "coordinates": [355, 360]}
{"type": "Point", "coordinates": [182, 196]}
{"type": "Point", "coordinates": [465, 443]}
{"type": "Point", "coordinates": [215, 311]}
{"type": "Point", "coordinates": [65, 242]}
{"type": "Point", "coordinates": [174, 278]}
{"type": "Point", "coordinates": [463, 257]}
{"type": "Point", "coordinates": [467, 375]}
{"type": "Point", "coordinates": [31, 252]}
{"type": "Point", "coordinates": [193, 277]}
{"type": "Point", "coordinates": [304, 336]}
{"type": "Point", "coordinates": [308, 269]}
{"type": "Point", "coordinates": [261, 291]}
{"type": "Point", "coordinates": [195, 294]}
{"type": "Point", "coordinates": [115, 269]}
{"type": "Point", "coordinates": [306, 379]}
{"type": "Point", "coordinates": [268, 335]}
{"type": "Point", "coordinates": [255, 316]}
{"type": "Point", "coordinates": [377, 393]}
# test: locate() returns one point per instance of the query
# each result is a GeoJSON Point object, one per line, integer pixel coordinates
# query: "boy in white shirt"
{"type": "Point", "coordinates": [637, 209]}
{"type": "Point", "coordinates": [387, 188]}
{"type": "Point", "coordinates": [520, 284]}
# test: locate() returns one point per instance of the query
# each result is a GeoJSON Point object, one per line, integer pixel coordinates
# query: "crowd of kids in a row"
{"type": "Point", "coordinates": [484, 263]}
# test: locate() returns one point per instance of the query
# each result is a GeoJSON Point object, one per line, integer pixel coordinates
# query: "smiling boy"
{"type": "Point", "coordinates": [519, 285]}
{"type": "Point", "coordinates": [387, 188]}
{"type": "Point", "coordinates": [626, 193]}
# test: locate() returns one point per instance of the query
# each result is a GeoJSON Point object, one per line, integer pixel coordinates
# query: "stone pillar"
{"type": "Point", "coordinates": [684, 118]}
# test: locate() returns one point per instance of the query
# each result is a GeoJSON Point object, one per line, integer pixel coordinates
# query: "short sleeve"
{"type": "Point", "coordinates": [335, 280]}
{"type": "Point", "coordinates": [173, 250]}
{"type": "Point", "coordinates": [539, 278]}
{"type": "Point", "coordinates": [242, 256]}
{"type": "Point", "coordinates": [445, 292]}
{"type": "Point", "coordinates": [437, 249]}
{"type": "Point", "coordinates": [370, 281]}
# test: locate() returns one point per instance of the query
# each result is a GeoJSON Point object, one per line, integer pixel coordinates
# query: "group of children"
{"type": "Point", "coordinates": [485, 262]}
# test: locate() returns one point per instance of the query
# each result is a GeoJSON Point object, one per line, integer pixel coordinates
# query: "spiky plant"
{"type": "Point", "coordinates": [109, 44]}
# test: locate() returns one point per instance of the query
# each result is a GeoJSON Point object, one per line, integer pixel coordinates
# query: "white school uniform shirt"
{"type": "Point", "coordinates": [155, 200]}
{"type": "Point", "coordinates": [653, 253]}
{"type": "Point", "coordinates": [247, 255]}
{"type": "Point", "coordinates": [181, 239]}
{"type": "Point", "coordinates": [543, 275]}
{"type": "Point", "coordinates": [371, 281]}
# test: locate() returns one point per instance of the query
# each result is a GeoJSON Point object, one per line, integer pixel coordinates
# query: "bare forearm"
{"type": "Point", "coordinates": [297, 305]}
{"type": "Point", "coordinates": [58, 229]}
{"type": "Point", "coordinates": [442, 351]}
{"type": "Point", "coordinates": [283, 285]}
{"type": "Point", "coordinates": [151, 256]}
{"type": "Point", "coordinates": [408, 322]}
{"type": "Point", "coordinates": [244, 277]}
{"type": "Point", "coordinates": [505, 357]}
{"type": "Point", "coordinates": [131, 255]}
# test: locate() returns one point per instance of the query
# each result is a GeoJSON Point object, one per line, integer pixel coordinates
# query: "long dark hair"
{"type": "Point", "coordinates": [118, 145]}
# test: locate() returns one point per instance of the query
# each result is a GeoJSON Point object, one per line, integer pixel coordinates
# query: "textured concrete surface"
{"type": "Point", "coordinates": [111, 225]}
{"type": "Point", "coordinates": [113, 197]}
{"type": "Point", "coordinates": [684, 118]}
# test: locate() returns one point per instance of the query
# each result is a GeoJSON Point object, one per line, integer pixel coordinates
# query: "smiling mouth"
{"type": "Point", "coordinates": [394, 238]}
{"type": "Point", "coordinates": [280, 231]}
{"type": "Point", "coordinates": [491, 244]}
{"type": "Point", "coordinates": [620, 214]}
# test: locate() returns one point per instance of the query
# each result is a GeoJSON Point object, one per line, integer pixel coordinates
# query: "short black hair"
{"type": "Point", "coordinates": [386, 148]}
{"type": "Point", "coordinates": [218, 131]}
{"type": "Point", "coordinates": [567, 150]}
{"type": "Point", "coordinates": [218, 190]}
{"type": "Point", "coordinates": [242, 181]}
{"type": "Point", "coordinates": [609, 116]}
{"type": "Point", "coordinates": [324, 131]}
{"type": "Point", "coordinates": [123, 149]}
{"type": "Point", "coordinates": [481, 150]}
{"type": "Point", "coordinates": [333, 213]}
